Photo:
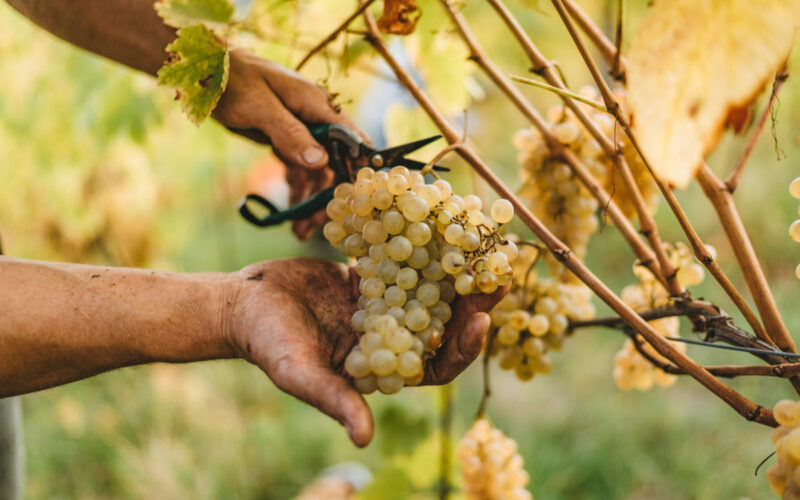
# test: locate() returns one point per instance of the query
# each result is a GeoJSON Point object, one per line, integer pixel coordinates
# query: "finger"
{"type": "Point", "coordinates": [462, 349]}
{"type": "Point", "coordinates": [307, 101]}
{"type": "Point", "coordinates": [333, 395]}
{"type": "Point", "coordinates": [466, 305]}
{"type": "Point", "coordinates": [289, 136]}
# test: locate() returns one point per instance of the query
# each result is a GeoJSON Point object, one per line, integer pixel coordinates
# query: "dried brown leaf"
{"type": "Point", "coordinates": [399, 17]}
{"type": "Point", "coordinates": [697, 65]}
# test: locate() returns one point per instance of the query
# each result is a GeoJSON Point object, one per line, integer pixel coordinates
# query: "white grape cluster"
{"type": "Point", "coordinates": [553, 192]}
{"type": "Point", "coordinates": [794, 229]}
{"type": "Point", "coordinates": [417, 245]}
{"type": "Point", "coordinates": [490, 465]}
{"type": "Point", "coordinates": [784, 476]}
{"type": "Point", "coordinates": [556, 195]}
{"type": "Point", "coordinates": [534, 317]}
{"type": "Point", "coordinates": [631, 369]}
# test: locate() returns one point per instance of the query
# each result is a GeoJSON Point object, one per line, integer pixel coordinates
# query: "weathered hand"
{"type": "Point", "coordinates": [269, 103]}
{"type": "Point", "coordinates": [292, 319]}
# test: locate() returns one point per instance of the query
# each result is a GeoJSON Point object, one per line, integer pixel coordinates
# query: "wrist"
{"type": "Point", "coordinates": [220, 296]}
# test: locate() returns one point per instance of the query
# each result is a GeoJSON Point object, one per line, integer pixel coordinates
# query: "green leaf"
{"type": "Point", "coordinates": [404, 430]}
{"type": "Point", "coordinates": [390, 484]}
{"type": "Point", "coordinates": [198, 69]}
{"type": "Point", "coordinates": [181, 13]}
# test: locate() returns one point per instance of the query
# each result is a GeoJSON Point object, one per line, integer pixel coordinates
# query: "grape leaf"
{"type": "Point", "coordinates": [198, 69]}
{"type": "Point", "coordinates": [399, 17]}
{"type": "Point", "coordinates": [694, 63]}
{"type": "Point", "coordinates": [182, 13]}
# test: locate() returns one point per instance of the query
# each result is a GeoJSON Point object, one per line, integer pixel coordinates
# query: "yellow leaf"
{"type": "Point", "coordinates": [692, 64]}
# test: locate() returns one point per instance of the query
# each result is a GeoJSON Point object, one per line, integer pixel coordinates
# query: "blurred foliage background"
{"type": "Point", "coordinates": [99, 166]}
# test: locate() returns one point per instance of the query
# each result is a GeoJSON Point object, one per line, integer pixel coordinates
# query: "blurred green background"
{"type": "Point", "coordinates": [98, 165]}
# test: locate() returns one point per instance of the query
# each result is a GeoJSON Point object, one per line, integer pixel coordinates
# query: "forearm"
{"type": "Point", "coordinates": [63, 322]}
{"type": "Point", "coordinates": [127, 31]}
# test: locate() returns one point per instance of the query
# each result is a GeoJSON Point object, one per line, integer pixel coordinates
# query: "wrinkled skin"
{"type": "Point", "coordinates": [295, 326]}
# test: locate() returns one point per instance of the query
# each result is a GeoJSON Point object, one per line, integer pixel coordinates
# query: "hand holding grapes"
{"type": "Point", "coordinates": [292, 319]}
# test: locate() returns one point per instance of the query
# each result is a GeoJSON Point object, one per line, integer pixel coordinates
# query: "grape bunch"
{"type": "Point", "coordinates": [557, 196]}
{"type": "Point", "coordinates": [632, 370]}
{"type": "Point", "coordinates": [491, 467]}
{"type": "Point", "coordinates": [553, 192]}
{"type": "Point", "coordinates": [533, 319]}
{"type": "Point", "coordinates": [794, 229]}
{"type": "Point", "coordinates": [417, 246]}
{"type": "Point", "coordinates": [784, 476]}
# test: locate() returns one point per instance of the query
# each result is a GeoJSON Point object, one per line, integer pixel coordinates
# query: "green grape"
{"type": "Point", "coordinates": [382, 199]}
{"type": "Point", "coordinates": [399, 340]}
{"type": "Point", "coordinates": [417, 319]}
{"type": "Point", "coordinates": [418, 258]}
{"type": "Point", "coordinates": [395, 296]}
{"type": "Point", "coordinates": [357, 364]}
{"type": "Point", "coordinates": [382, 361]}
{"type": "Point", "coordinates": [400, 248]}
{"type": "Point", "coordinates": [372, 287]}
{"type": "Point", "coordinates": [464, 284]}
{"type": "Point", "coordinates": [365, 267]}
{"type": "Point", "coordinates": [393, 221]}
{"type": "Point", "coordinates": [418, 233]}
{"type": "Point", "coordinates": [374, 232]}
{"type": "Point", "coordinates": [409, 363]}
{"type": "Point", "coordinates": [390, 384]}
{"type": "Point", "coordinates": [428, 294]}
{"type": "Point", "coordinates": [407, 278]}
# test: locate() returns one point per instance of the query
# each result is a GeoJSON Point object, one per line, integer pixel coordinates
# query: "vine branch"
{"type": "Point", "coordinates": [759, 288]}
{"type": "Point", "coordinates": [741, 404]}
{"type": "Point", "coordinates": [334, 34]}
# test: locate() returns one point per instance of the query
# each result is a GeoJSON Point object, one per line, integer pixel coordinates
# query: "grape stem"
{"type": "Point", "coordinates": [562, 253]}
{"type": "Point", "coordinates": [334, 34]}
{"type": "Point", "coordinates": [445, 426]}
{"type": "Point", "coordinates": [487, 388]}
{"type": "Point", "coordinates": [732, 182]}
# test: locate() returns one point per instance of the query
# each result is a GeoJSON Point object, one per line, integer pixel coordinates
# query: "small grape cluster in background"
{"type": "Point", "coordinates": [491, 466]}
{"type": "Point", "coordinates": [784, 476]}
{"type": "Point", "coordinates": [794, 229]}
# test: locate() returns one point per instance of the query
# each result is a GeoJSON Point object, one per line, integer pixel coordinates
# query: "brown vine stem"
{"type": "Point", "coordinates": [334, 34]}
{"type": "Point", "coordinates": [742, 405]}
{"type": "Point", "coordinates": [446, 429]}
{"type": "Point", "coordinates": [618, 39]}
{"type": "Point", "coordinates": [647, 225]}
{"type": "Point", "coordinates": [732, 182]}
{"type": "Point", "coordinates": [645, 255]}
{"type": "Point", "coordinates": [722, 200]}
{"type": "Point", "coordinates": [698, 247]}
{"type": "Point", "coordinates": [487, 387]}
{"type": "Point", "coordinates": [616, 62]}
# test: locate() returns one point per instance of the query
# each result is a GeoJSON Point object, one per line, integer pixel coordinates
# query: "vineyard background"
{"type": "Point", "coordinates": [100, 166]}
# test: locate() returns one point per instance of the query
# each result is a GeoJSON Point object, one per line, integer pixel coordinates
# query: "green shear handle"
{"type": "Point", "coordinates": [302, 210]}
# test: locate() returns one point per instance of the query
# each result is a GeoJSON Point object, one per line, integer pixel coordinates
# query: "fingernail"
{"type": "Point", "coordinates": [313, 154]}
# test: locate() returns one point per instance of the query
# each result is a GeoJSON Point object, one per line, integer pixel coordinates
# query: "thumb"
{"type": "Point", "coordinates": [333, 395]}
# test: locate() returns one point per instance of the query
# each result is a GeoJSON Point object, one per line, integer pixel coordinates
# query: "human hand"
{"type": "Point", "coordinates": [271, 104]}
{"type": "Point", "coordinates": [292, 319]}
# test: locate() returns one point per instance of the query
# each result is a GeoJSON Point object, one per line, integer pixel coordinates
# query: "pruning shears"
{"type": "Point", "coordinates": [347, 153]}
